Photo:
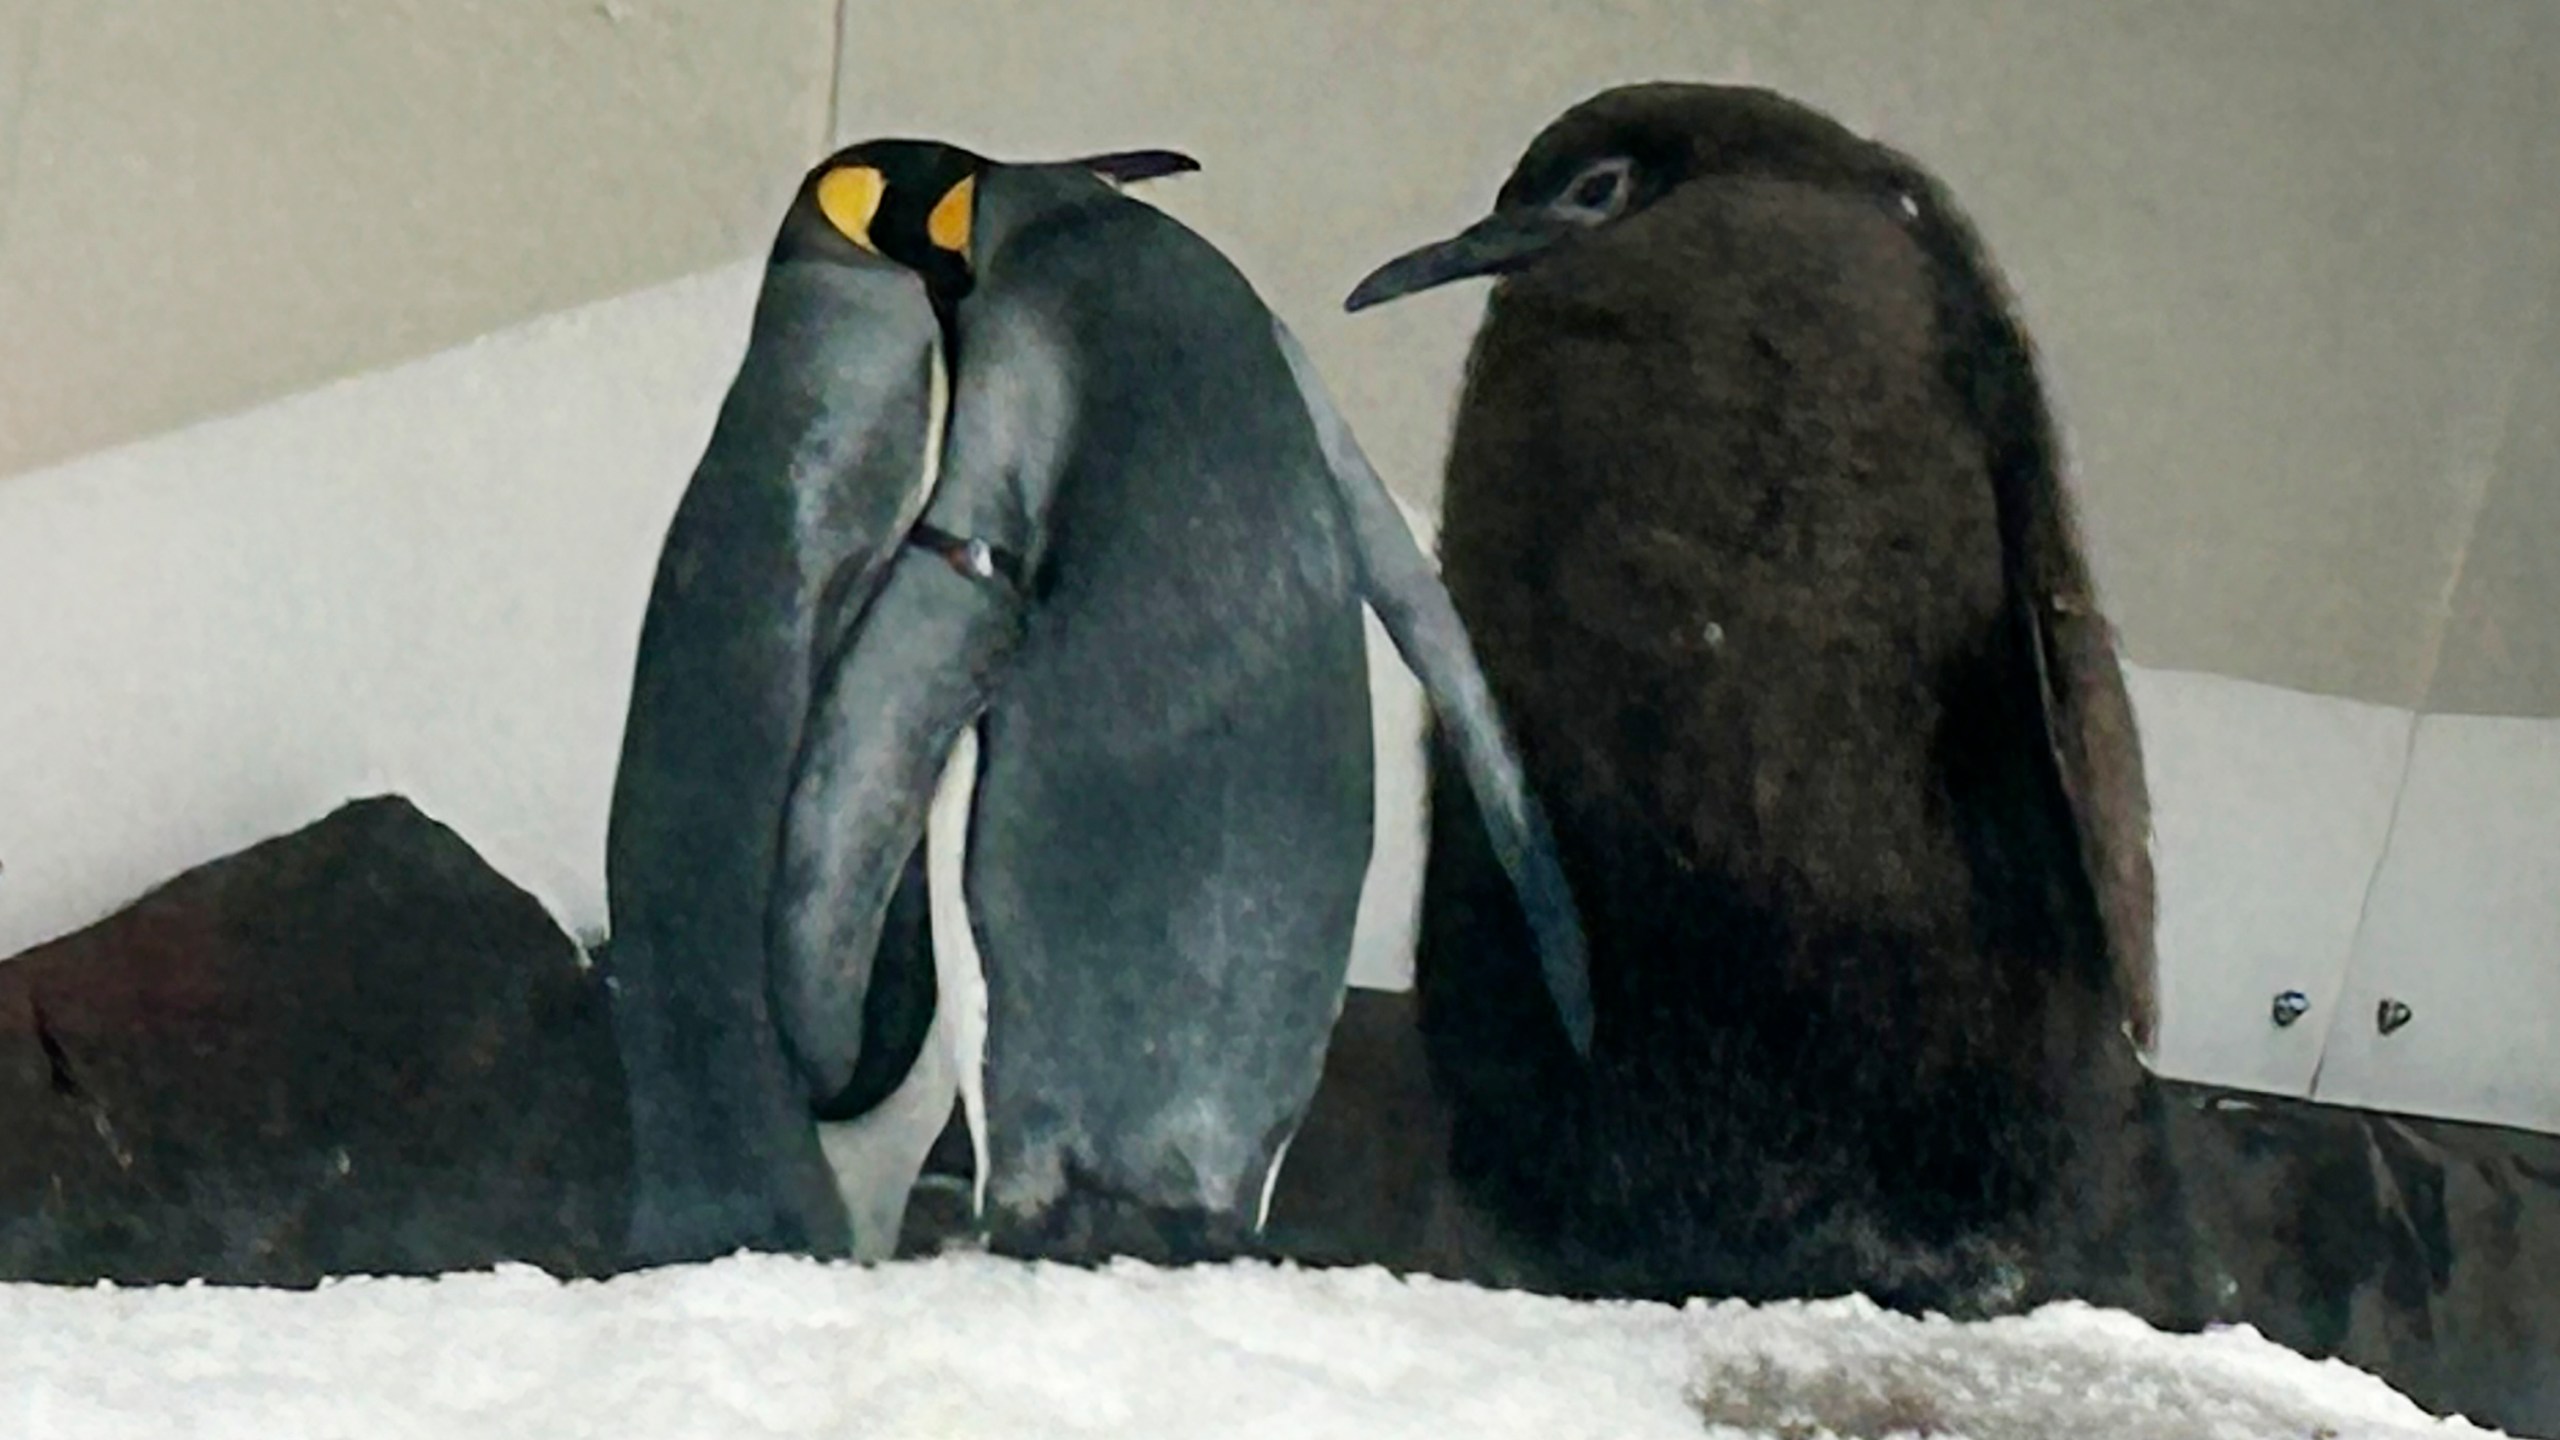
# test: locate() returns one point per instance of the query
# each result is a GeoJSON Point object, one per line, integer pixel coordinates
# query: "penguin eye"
{"type": "Point", "coordinates": [1598, 193]}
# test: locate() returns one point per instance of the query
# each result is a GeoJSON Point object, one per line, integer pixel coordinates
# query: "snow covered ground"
{"type": "Point", "coordinates": [963, 1346]}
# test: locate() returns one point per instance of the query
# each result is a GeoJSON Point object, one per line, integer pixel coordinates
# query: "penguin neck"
{"type": "Point", "coordinates": [1014, 203]}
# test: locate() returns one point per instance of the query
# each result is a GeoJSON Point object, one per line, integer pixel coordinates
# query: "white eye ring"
{"type": "Point", "coordinates": [1617, 174]}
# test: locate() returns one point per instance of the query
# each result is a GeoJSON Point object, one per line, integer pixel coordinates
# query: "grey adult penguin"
{"type": "Point", "coordinates": [821, 457]}
{"type": "Point", "coordinates": [1755, 511]}
{"type": "Point", "coordinates": [1109, 652]}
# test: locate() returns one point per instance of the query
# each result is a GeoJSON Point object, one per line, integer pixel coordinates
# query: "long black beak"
{"type": "Point", "coordinates": [1128, 167]}
{"type": "Point", "coordinates": [1496, 245]}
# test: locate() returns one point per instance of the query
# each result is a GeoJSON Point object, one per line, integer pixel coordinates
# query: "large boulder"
{"type": "Point", "coordinates": [355, 1048]}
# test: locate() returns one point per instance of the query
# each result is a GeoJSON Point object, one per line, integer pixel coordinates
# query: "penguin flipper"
{"type": "Point", "coordinates": [882, 1128]}
{"type": "Point", "coordinates": [2089, 723]}
{"type": "Point", "coordinates": [914, 675]}
{"type": "Point", "coordinates": [1404, 589]}
{"type": "Point", "coordinates": [899, 1001]}
{"type": "Point", "coordinates": [2088, 717]}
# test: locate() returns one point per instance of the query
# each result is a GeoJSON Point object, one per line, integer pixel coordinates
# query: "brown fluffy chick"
{"type": "Point", "coordinates": [1755, 512]}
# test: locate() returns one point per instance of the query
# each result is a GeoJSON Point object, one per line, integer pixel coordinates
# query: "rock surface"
{"type": "Point", "coordinates": [355, 1048]}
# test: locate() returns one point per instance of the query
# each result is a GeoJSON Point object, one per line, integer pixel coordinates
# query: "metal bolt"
{"type": "Point", "coordinates": [2289, 1006]}
{"type": "Point", "coordinates": [2390, 1015]}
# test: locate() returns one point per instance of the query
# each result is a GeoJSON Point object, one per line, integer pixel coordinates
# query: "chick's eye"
{"type": "Point", "coordinates": [1596, 190]}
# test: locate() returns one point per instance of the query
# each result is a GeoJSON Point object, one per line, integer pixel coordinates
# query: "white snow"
{"type": "Point", "coordinates": [968, 1345]}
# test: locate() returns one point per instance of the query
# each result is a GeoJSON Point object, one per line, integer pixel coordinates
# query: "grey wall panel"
{"type": "Point", "coordinates": [2279, 254]}
{"type": "Point", "coordinates": [2501, 647]}
{"type": "Point", "coordinates": [217, 204]}
{"type": "Point", "coordinates": [2464, 932]}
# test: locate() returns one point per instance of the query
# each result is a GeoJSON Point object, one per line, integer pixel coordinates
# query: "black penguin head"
{"type": "Point", "coordinates": [1616, 154]}
{"type": "Point", "coordinates": [914, 203]}
{"type": "Point", "coordinates": [911, 202]}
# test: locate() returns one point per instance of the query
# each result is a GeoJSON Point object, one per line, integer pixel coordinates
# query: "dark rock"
{"type": "Point", "coordinates": [1366, 1177]}
{"type": "Point", "coordinates": [2426, 1251]}
{"type": "Point", "coordinates": [352, 1049]}
{"type": "Point", "coordinates": [2420, 1250]}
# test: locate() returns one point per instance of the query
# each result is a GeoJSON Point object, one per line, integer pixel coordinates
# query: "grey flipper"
{"type": "Point", "coordinates": [898, 1003]}
{"type": "Point", "coordinates": [1405, 591]}
{"type": "Point", "coordinates": [810, 469]}
{"type": "Point", "coordinates": [878, 1131]}
{"type": "Point", "coordinates": [888, 711]}
{"type": "Point", "coordinates": [916, 1061]}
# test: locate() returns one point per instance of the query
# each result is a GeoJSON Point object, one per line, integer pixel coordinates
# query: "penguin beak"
{"type": "Point", "coordinates": [1129, 167]}
{"type": "Point", "coordinates": [1496, 245]}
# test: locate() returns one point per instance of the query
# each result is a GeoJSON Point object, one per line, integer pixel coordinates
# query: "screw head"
{"type": "Point", "coordinates": [2390, 1015]}
{"type": "Point", "coordinates": [2289, 1006]}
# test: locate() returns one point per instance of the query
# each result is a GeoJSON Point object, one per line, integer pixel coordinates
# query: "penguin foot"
{"type": "Point", "coordinates": [1089, 1223]}
{"type": "Point", "coordinates": [683, 1228]}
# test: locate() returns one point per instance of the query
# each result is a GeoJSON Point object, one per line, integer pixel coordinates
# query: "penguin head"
{"type": "Point", "coordinates": [914, 203]}
{"type": "Point", "coordinates": [1615, 155]}
{"type": "Point", "coordinates": [910, 202]}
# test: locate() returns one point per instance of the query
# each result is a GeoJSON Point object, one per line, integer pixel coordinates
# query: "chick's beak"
{"type": "Point", "coordinates": [1496, 245]}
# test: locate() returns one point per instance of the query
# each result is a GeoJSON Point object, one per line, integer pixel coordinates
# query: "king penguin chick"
{"type": "Point", "coordinates": [1754, 513]}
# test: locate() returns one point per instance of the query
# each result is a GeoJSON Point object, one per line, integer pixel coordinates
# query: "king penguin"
{"type": "Point", "coordinates": [823, 453]}
{"type": "Point", "coordinates": [1038, 707]}
{"type": "Point", "coordinates": [1754, 509]}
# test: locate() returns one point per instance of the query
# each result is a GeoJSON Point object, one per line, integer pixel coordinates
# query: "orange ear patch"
{"type": "Point", "coordinates": [850, 199]}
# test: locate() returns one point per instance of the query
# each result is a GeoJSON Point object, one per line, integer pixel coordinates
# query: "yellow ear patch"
{"type": "Point", "coordinates": [948, 225]}
{"type": "Point", "coordinates": [850, 199]}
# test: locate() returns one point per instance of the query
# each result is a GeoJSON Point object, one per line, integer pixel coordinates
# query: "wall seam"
{"type": "Point", "coordinates": [835, 76]}
{"type": "Point", "coordinates": [2484, 465]}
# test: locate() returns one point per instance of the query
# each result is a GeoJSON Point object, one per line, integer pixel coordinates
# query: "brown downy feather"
{"type": "Point", "coordinates": [1755, 512]}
